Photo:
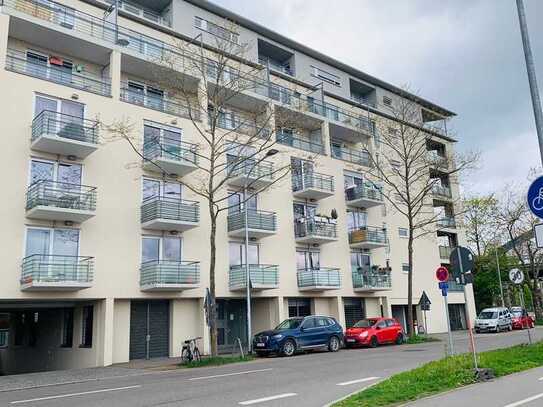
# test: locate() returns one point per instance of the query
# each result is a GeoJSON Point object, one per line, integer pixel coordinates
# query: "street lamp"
{"type": "Point", "coordinates": [269, 153]}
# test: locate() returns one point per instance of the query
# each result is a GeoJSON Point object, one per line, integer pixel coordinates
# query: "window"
{"type": "Point", "coordinates": [154, 188]}
{"type": "Point", "coordinates": [307, 259]}
{"type": "Point", "coordinates": [381, 324]}
{"type": "Point", "coordinates": [299, 307]}
{"type": "Point", "coordinates": [403, 232]}
{"type": "Point", "coordinates": [405, 268]}
{"type": "Point", "coordinates": [4, 330]}
{"type": "Point", "coordinates": [360, 261]}
{"type": "Point", "coordinates": [72, 112]}
{"type": "Point", "coordinates": [58, 242]}
{"type": "Point", "coordinates": [66, 176]}
{"type": "Point", "coordinates": [86, 326]}
{"type": "Point", "coordinates": [169, 138]}
{"type": "Point", "coordinates": [49, 66]}
{"type": "Point", "coordinates": [143, 94]}
{"type": "Point", "coordinates": [356, 220]}
{"type": "Point", "coordinates": [325, 76]}
{"type": "Point", "coordinates": [154, 249]}
{"type": "Point", "coordinates": [237, 254]}
{"type": "Point", "coordinates": [236, 204]}
{"type": "Point", "coordinates": [351, 179]}
{"type": "Point", "coordinates": [309, 323]}
{"type": "Point", "coordinates": [216, 30]}
{"type": "Point", "coordinates": [390, 322]}
{"type": "Point", "coordinates": [321, 322]}
{"type": "Point", "coordinates": [387, 101]}
{"type": "Point", "coordinates": [301, 170]}
{"type": "Point", "coordinates": [67, 328]}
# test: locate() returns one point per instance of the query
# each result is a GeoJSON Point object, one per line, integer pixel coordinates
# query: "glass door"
{"type": "Point", "coordinates": [172, 144]}
{"type": "Point", "coordinates": [356, 220]}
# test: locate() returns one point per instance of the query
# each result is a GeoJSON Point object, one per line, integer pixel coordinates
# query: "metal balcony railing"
{"type": "Point", "coordinates": [299, 143]}
{"type": "Point", "coordinates": [363, 192]}
{"type": "Point", "coordinates": [65, 126]}
{"type": "Point", "coordinates": [442, 191]}
{"type": "Point", "coordinates": [61, 195]}
{"type": "Point", "coordinates": [275, 65]}
{"type": "Point", "coordinates": [262, 220]}
{"type": "Point", "coordinates": [156, 207]}
{"type": "Point", "coordinates": [445, 252]}
{"type": "Point", "coordinates": [319, 277]}
{"type": "Point", "coordinates": [50, 268]}
{"type": "Point", "coordinates": [362, 100]}
{"type": "Point", "coordinates": [368, 234]}
{"type": "Point", "coordinates": [251, 168]}
{"type": "Point", "coordinates": [17, 61]}
{"type": "Point", "coordinates": [312, 180]}
{"type": "Point", "coordinates": [169, 272]}
{"type": "Point", "coordinates": [142, 12]}
{"type": "Point", "coordinates": [170, 149]}
{"type": "Point", "coordinates": [260, 274]}
{"type": "Point", "coordinates": [446, 222]}
{"type": "Point", "coordinates": [362, 123]}
{"type": "Point", "coordinates": [366, 279]}
{"type": "Point", "coordinates": [241, 125]}
{"type": "Point", "coordinates": [437, 160]}
{"type": "Point", "coordinates": [162, 104]}
{"type": "Point", "coordinates": [350, 155]}
{"type": "Point", "coordinates": [311, 227]}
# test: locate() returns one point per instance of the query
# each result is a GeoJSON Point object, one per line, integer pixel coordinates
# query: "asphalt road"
{"type": "Point", "coordinates": [304, 380]}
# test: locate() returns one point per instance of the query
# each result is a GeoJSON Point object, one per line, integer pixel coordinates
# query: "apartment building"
{"type": "Point", "coordinates": [105, 260]}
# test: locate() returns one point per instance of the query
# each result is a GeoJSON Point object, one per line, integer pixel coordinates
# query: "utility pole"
{"type": "Point", "coordinates": [530, 68]}
{"type": "Point", "coordinates": [499, 276]}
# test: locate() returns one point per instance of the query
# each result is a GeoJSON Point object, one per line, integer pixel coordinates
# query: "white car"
{"type": "Point", "coordinates": [494, 320]}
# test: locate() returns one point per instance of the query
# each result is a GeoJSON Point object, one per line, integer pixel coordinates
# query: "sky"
{"type": "Point", "coordinates": [464, 55]}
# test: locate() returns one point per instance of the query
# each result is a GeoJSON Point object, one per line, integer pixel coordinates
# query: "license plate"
{"type": "Point", "coordinates": [260, 345]}
{"type": "Point", "coordinates": [350, 340]}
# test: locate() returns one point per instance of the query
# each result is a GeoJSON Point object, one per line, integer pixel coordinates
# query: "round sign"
{"type": "Point", "coordinates": [535, 197]}
{"type": "Point", "coordinates": [516, 276]}
{"type": "Point", "coordinates": [442, 274]}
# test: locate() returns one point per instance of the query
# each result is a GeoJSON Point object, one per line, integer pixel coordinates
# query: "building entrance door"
{"type": "Point", "coordinates": [231, 324]}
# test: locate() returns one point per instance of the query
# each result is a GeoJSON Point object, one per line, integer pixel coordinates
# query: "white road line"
{"type": "Point", "coordinates": [540, 379]}
{"type": "Point", "coordinates": [366, 379]}
{"type": "Point", "coordinates": [262, 400]}
{"type": "Point", "coordinates": [61, 396]}
{"type": "Point", "coordinates": [525, 401]}
{"type": "Point", "coordinates": [230, 374]}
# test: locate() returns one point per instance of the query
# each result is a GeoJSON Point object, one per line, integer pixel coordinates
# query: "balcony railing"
{"type": "Point", "coordinates": [368, 234]}
{"type": "Point", "coordinates": [348, 118]}
{"type": "Point", "coordinates": [352, 156]}
{"type": "Point", "coordinates": [241, 125]}
{"type": "Point", "coordinates": [64, 126]}
{"type": "Point", "coordinates": [299, 143]}
{"type": "Point", "coordinates": [261, 220]}
{"type": "Point", "coordinates": [275, 65]}
{"type": "Point", "coordinates": [442, 191]}
{"type": "Point", "coordinates": [445, 252]}
{"type": "Point", "coordinates": [370, 280]}
{"type": "Point", "coordinates": [324, 277]}
{"type": "Point", "coordinates": [169, 272]}
{"type": "Point", "coordinates": [61, 195]}
{"type": "Point", "coordinates": [455, 287]}
{"type": "Point", "coordinates": [163, 104]}
{"type": "Point", "coordinates": [261, 275]}
{"type": "Point", "coordinates": [446, 222]}
{"type": "Point", "coordinates": [170, 149]}
{"type": "Point", "coordinates": [437, 160]}
{"type": "Point", "coordinates": [363, 192]}
{"type": "Point", "coordinates": [314, 180]}
{"type": "Point", "coordinates": [362, 100]}
{"type": "Point", "coordinates": [313, 228]}
{"type": "Point", "coordinates": [142, 12]}
{"type": "Point", "coordinates": [250, 168]}
{"type": "Point", "coordinates": [156, 207]}
{"type": "Point", "coordinates": [46, 268]}
{"type": "Point", "coordinates": [17, 62]}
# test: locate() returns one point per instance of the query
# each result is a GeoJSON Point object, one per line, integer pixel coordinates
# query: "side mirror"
{"type": "Point", "coordinates": [377, 327]}
{"type": "Point", "coordinates": [302, 329]}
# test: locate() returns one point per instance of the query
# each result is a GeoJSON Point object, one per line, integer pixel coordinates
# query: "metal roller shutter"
{"type": "Point", "coordinates": [149, 318]}
{"type": "Point", "coordinates": [354, 311]}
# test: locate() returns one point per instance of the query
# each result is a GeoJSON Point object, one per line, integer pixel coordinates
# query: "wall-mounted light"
{"type": "Point", "coordinates": [174, 122]}
{"type": "Point", "coordinates": [75, 96]}
{"type": "Point", "coordinates": [71, 157]}
{"type": "Point", "coordinates": [174, 232]}
{"type": "Point", "coordinates": [68, 223]}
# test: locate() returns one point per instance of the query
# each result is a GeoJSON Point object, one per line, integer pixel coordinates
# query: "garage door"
{"type": "Point", "coordinates": [354, 311]}
{"type": "Point", "coordinates": [149, 319]}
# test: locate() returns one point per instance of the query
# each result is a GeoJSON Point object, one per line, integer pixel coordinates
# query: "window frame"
{"type": "Point", "coordinates": [87, 312]}
{"type": "Point", "coordinates": [325, 76]}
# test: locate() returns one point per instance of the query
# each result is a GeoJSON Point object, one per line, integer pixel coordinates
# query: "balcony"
{"type": "Point", "coordinates": [437, 160]}
{"type": "Point", "coordinates": [249, 172]}
{"type": "Point", "coordinates": [172, 106]}
{"type": "Point", "coordinates": [238, 124]}
{"type": "Point", "coordinates": [168, 275]}
{"type": "Point", "coordinates": [59, 133]}
{"type": "Point", "coordinates": [363, 196]}
{"type": "Point", "coordinates": [274, 65]}
{"type": "Point", "coordinates": [262, 277]}
{"type": "Point", "coordinates": [161, 213]}
{"type": "Point", "coordinates": [17, 62]}
{"type": "Point", "coordinates": [312, 185]}
{"type": "Point", "coordinates": [446, 222]}
{"type": "Point", "coordinates": [348, 126]}
{"type": "Point", "coordinates": [142, 12]}
{"type": "Point", "coordinates": [368, 237]}
{"type": "Point", "coordinates": [51, 200]}
{"type": "Point", "coordinates": [445, 252]}
{"type": "Point", "coordinates": [319, 279]}
{"type": "Point", "coordinates": [260, 224]}
{"type": "Point", "coordinates": [455, 287]}
{"type": "Point", "coordinates": [43, 272]}
{"type": "Point", "coordinates": [300, 143]}
{"type": "Point", "coordinates": [350, 155]}
{"type": "Point", "coordinates": [170, 156]}
{"type": "Point", "coordinates": [365, 280]}
{"type": "Point", "coordinates": [441, 192]}
{"type": "Point", "coordinates": [313, 231]}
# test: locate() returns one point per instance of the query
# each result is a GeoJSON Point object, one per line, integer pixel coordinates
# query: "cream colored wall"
{"type": "Point", "coordinates": [186, 321]}
{"type": "Point", "coordinates": [121, 332]}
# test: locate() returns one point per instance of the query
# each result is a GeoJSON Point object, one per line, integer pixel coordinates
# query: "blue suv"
{"type": "Point", "coordinates": [298, 334]}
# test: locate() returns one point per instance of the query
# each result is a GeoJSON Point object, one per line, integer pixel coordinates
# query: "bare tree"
{"type": "Point", "coordinates": [226, 101]}
{"type": "Point", "coordinates": [479, 220]}
{"type": "Point", "coordinates": [411, 176]}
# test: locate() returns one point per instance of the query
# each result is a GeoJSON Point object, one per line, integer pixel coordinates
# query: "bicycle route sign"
{"type": "Point", "coordinates": [535, 197]}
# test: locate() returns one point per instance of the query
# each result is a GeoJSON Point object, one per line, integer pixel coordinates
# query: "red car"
{"type": "Point", "coordinates": [373, 332]}
{"type": "Point", "coordinates": [521, 319]}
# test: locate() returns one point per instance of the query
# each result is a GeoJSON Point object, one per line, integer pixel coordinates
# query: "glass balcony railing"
{"type": "Point", "coordinates": [361, 123]}
{"type": "Point", "coordinates": [437, 160]}
{"type": "Point", "coordinates": [350, 155]}
{"type": "Point", "coordinates": [142, 12]}
{"type": "Point", "coordinates": [170, 149]}
{"type": "Point", "coordinates": [368, 234]}
{"type": "Point", "coordinates": [250, 168]}
{"type": "Point", "coordinates": [446, 222]}
{"type": "Point", "coordinates": [61, 195]}
{"type": "Point", "coordinates": [314, 180]}
{"type": "Point", "coordinates": [262, 220]}
{"type": "Point", "coordinates": [312, 228]}
{"type": "Point", "coordinates": [65, 126]}
{"type": "Point", "coordinates": [300, 143]}
{"type": "Point", "coordinates": [238, 124]}
{"type": "Point", "coordinates": [18, 62]}
{"type": "Point", "coordinates": [169, 272]}
{"type": "Point", "coordinates": [363, 192]}
{"type": "Point", "coordinates": [441, 191]}
{"type": "Point", "coordinates": [162, 104]}
{"type": "Point", "coordinates": [261, 275]}
{"type": "Point", "coordinates": [164, 208]}
{"type": "Point", "coordinates": [324, 277]}
{"type": "Point", "coordinates": [46, 268]}
{"type": "Point", "coordinates": [275, 65]}
{"type": "Point", "coordinates": [445, 252]}
{"type": "Point", "coordinates": [371, 280]}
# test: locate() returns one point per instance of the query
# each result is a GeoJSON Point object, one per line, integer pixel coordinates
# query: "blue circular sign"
{"type": "Point", "coordinates": [535, 197]}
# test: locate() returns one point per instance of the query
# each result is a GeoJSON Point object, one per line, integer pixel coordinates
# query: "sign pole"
{"type": "Point", "coordinates": [468, 321]}
{"type": "Point", "coordinates": [425, 324]}
{"type": "Point", "coordinates": [524, 309]}
{"type": "Point", "coordinates": [451, 346]}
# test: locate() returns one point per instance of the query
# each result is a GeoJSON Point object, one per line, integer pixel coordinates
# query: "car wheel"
{"type": "Point", "coordinates": [477, 331]}
{"type": "Point", "coordinates": [333, 344]}
{"type": "Point", "coordinates": [399, 339]}
{"type": "Point", "coordinates": [374, 342]}
{"type": "Point", "coordinates": [289, 347]}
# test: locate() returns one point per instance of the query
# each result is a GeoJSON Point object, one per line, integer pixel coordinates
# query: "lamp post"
{"type": "Point", "coordinates": [269, 153]}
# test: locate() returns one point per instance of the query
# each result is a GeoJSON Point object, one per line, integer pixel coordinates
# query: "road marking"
{"type": "Point", "coordinates": [61, 396]}
{"type": "Point", "coordinates": [540, 379]}
{"type": "Point", "coordinates": [366, 379]}
{"type": "Point", "coordinates": [230, 374]}
{"type": "Point", "coordinates": [262, 400]}
{"type": "Point", "coordinates": [529, 399]}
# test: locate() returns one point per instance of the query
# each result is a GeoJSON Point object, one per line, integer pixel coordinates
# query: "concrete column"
{"type": "Point", "coordinates": [337, 310]}
{"type": "Point", "coordinates": [325, 130]}
{"type": "Point", "coordinates": [106, 318]}
{"type": "Point", "coordinates": [279, 311]}
{"type": "Point", "coordinates": [121, 333]}
{"type": "Point", "coordinates": [387, 309]}
{"type": "Point", "coordinates": [4, 31]}
{"type": "Point", "coordinates": [204, 329]}
{"type": "Point", "coordinates": [114, 72]}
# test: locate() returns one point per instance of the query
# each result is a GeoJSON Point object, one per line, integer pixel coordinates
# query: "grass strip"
{"type": "Point", "coordinates": [445, 374]}
{"type": "Point", "coordinates": [421, 339]}
{"type": "Point", "coordinates": [217, 361]}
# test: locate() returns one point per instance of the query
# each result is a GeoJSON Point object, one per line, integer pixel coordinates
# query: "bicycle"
{"type": "Point", "coordinates": [190, 352]}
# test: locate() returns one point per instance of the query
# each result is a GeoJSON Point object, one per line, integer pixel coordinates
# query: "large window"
{"type": "Point", "coordinates": [351, 179]}
{"type": "Point", "coordinates": [236, 204]}
{"type": "Point", "coordinates": [299, 307]}
{"type": "Point", "coordinates": [87, 321]}
{"type": "Point", "coordinates": [147, 95]}
{"type": "Point", "coordinates": [67, 327]}
{"type": "Point", "coordinates": [67, 175]}
{"type": "Point", "coordinates": [237, 254]}
{"type": "Point", "coordinates": [155, 248]}
{"type": "Point", "coordinates": [153, 188]}
{"type": "Point", "coordinates": [47, 241]}
{"type": "Point", "coordinates": [356, 220]}
{"type": "Point", "coordinates": [307, 259]}
{"type": "Point", "coordinates": [360, 261]}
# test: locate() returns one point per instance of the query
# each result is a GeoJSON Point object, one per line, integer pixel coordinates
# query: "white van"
{"type": "Point", "coordinates": [494, 320]}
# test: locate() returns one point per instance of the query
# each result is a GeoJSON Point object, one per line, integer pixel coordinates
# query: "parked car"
{"type": "Point", "coordinates": [299, 334]}
{"type": "Point", "coordinates": [374, 332]}
{"type": "Point", "coordinates": [494, 320]}
{"type": "Point", "coordinates": [521, 319]}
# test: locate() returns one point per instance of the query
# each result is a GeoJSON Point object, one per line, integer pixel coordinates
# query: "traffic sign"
{"type": "Point", "coordinates": [461, 260]}
{"type": "Point", "coordinates": [444, 287]}
{"type": "Point", "coordinates": [424, 302]}
{"type": "Point", "coordinates": [538, 233]}
{"type": "Point", "coordinates": [516, 276]}
{"type": "Point", "coordinates": [442, 274]}
{"type": "Point", "coordinates": [535, 197]}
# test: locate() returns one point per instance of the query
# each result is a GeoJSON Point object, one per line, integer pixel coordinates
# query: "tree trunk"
{"type": "Point", "coordinates": [212, 262]}
{"type": "Point", "coordinates": [410, 285]}
{"type": "Point", "coordinates": [537, 297]}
